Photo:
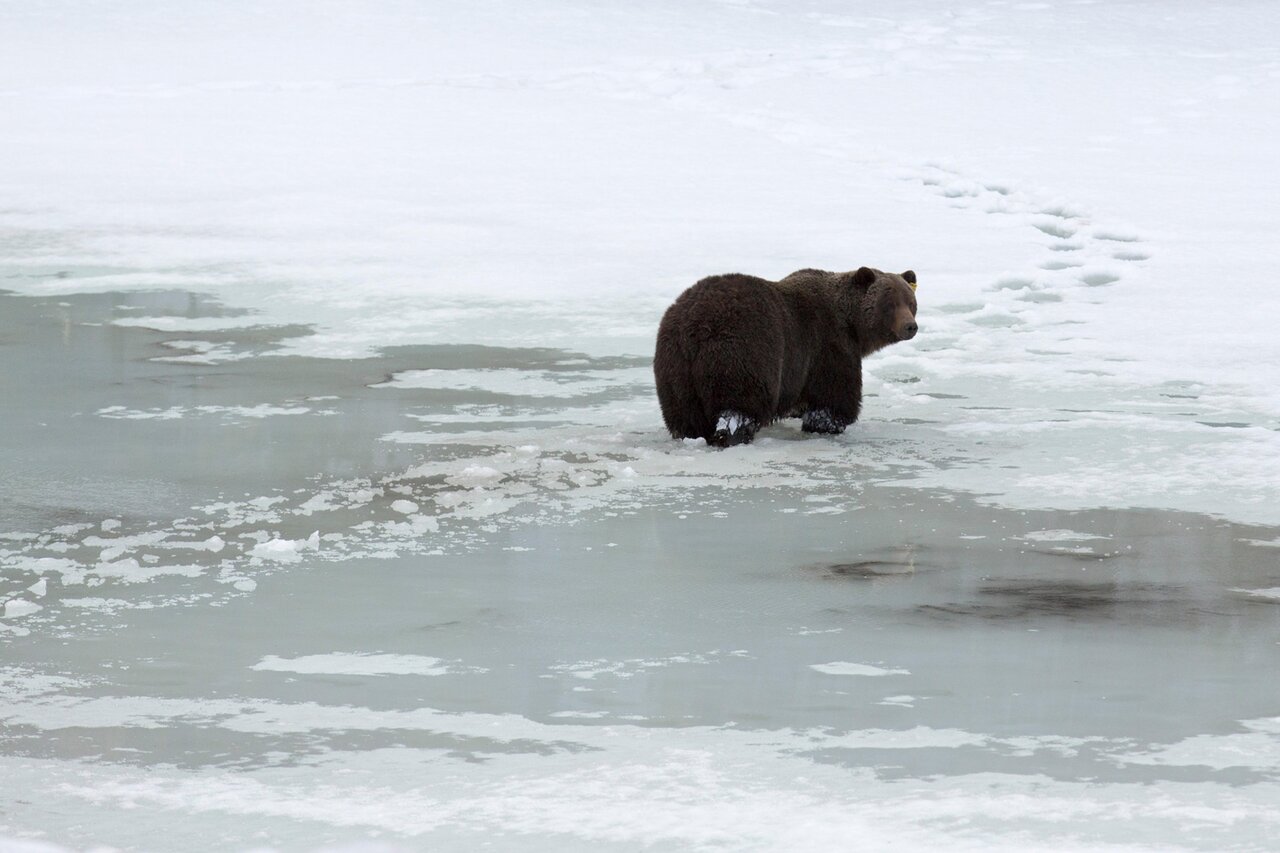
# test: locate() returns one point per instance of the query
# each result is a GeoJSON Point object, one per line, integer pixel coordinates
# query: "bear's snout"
{"type": "Point", "coordinates": [904, 325]}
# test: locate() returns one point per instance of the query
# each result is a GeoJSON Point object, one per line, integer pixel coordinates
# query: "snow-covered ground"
{"type": "Point", "coordinates": [337, 501]}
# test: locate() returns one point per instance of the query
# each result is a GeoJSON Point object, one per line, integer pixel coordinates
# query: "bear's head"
{"type": "Point", "coordinates": [883, 307]}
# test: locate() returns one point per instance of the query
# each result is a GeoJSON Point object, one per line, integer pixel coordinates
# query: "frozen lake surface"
{"type": "Point", "coordinates": [335, 504]}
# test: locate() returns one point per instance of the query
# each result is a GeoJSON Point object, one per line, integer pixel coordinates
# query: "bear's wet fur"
{"type": "Point", "coordinates": [736, 352]}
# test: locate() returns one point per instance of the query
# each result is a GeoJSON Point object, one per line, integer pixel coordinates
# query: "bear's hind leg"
{"type": "Point", "coordinates": [738, 386]}
{"type": "Point", "coordinates": [681, 410]}
{"type": "Point", "coordinates": [733, 428]}
{"type": "Point", "coordinates": [823, 421]}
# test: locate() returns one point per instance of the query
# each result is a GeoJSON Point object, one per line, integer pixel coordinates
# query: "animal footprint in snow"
{"type": "Point", "coordinates": [1100, 278]}
{"type": "Point", "coordinates": [1116, 235]}
{"type": "Point", "coordinates": [1130, 256]}
{"type": "Point", "coordinates": [1055, 228]}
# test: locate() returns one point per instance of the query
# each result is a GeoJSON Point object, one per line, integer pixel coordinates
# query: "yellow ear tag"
{"type": "Point", "coordinates": [913, 286]}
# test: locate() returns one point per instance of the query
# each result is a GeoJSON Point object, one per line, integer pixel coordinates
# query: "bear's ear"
{"type": "Point", "coordinates": [864, 277]}
{"type": "Point", "coordinates": [910, 276]}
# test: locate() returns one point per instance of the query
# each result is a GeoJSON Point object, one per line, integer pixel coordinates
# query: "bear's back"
{"type": "Point", "coordinates": [726, 307]}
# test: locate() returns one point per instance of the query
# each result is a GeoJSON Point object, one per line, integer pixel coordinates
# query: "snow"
{"type": "Point", "coordinates": [840, 667]}
{"type": "Point", "coordinates": [1056, 258]}
{"type": "Point", "coordinates": [1059, 536]}
{"type": "Point", "coordinates": [263, 410]}
{"type": "Point", "coordinates": [17, 607]}
{"type": "Point", "coordinates": [1085, 192]}
{"type": "Point", "coordinates": [340, 663]}
{"type": "Point", "coordinates": [286, 550]}
{"type": "Point", "coordinates": [660, 784]}
{"type": "Point", "coordinates": [1273, 592]}
{"type": "Point", "coordinates": [523, 383]}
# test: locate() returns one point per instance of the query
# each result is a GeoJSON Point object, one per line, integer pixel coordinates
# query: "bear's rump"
{"type": "Point", "coordinates": [740, 373]}
{"type": "Point", "coordinates": [723, 346]}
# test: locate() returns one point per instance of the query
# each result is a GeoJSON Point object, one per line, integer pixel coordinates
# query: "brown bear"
{"type": "Point", "coordinates": [736, 352]}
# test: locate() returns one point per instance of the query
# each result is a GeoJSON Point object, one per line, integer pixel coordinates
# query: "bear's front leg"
{"type": "Point", "coordinates": [833, 396]}
{"type": "Point", "coordinates": [823, 421]}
